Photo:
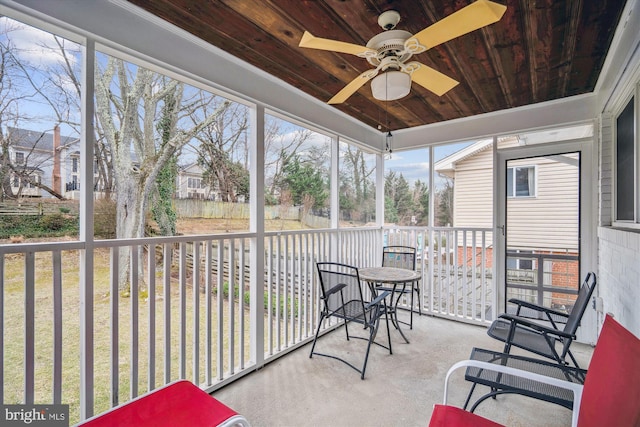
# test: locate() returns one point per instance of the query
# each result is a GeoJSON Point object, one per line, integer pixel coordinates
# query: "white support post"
{"type": "Point", "coordinates": [256, 225]}
{"type": "Point", "coordinates": [86, 232]}
{"type": "Point", "coordinates": [380, 201]}
{"type": "Point", "coordinates": [334, 182]}
{"type": "Point", "coordinates": [499, 218]}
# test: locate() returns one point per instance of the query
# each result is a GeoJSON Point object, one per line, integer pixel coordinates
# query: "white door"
{"type": "Point", "coordinates": [545, 230]}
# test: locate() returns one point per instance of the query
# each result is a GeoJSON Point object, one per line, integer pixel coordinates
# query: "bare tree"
{"type": "Point", "coordinates": [127, 101]}
{"type": "Point", "coordinates": [217, 144]}
{"type": "Point", "coordinates": [358, 175]}
{"type": "Point", "coordinates": [280, 147]}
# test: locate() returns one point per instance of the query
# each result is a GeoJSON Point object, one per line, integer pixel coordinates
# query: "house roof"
{"type": "Point", "coordinates": [30, 139]}
{"type": "Point", "coordinates": [191, 168]}
{"type": "Point", "coordinates": [448, 163]}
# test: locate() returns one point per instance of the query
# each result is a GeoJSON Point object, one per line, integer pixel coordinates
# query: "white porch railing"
{"type": "Point", "coordinates": [188, 314]}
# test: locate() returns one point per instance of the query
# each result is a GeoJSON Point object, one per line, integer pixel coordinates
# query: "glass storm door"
{"type": "Point", "coordinates": [541, 190]}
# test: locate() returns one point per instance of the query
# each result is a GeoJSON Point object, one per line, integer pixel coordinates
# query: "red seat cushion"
{"type": "Point", "coordinates": [179, 404]}
{"type": "Point", "coordinates": [612, 385]}
{"type": "Point", "coordinates": [451, 416]}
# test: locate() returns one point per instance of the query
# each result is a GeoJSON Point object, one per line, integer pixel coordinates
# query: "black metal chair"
{"type": "Point", "coordinates": [402, 257]}
{"type": "Point", "coordinates": [529, 334]}
{"type": "Point", "coordinates": [342, 298]}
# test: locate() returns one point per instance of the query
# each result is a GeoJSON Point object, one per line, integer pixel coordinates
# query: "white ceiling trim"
{"type": "Point", "coordinates": [566, 111]}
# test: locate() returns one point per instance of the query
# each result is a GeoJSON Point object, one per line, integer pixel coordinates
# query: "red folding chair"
{"type": "Point", "coordinates": [180, 403]}
{"type": "Point", "coordinates": [609, 396]}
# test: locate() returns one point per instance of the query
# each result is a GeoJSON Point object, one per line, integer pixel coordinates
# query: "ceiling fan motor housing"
{"type": "Point", "coordinates": [389, 44]}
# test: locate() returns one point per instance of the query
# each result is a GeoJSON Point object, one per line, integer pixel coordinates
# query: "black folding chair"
{"type": "Point", "coordinates": [403, 257]}
{"type": "Point", "coordinates": [342, 298]}
{"type": "Point", "coordinates": [529, 334]}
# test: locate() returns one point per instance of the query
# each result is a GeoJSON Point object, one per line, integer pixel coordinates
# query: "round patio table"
{"type": "Point", "coordinates": [396, 277]}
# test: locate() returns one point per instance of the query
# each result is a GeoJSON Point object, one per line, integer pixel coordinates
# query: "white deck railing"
{"type": "Point", "coordinates": [189, 314]}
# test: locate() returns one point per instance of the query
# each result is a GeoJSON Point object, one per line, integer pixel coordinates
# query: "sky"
{"type": "Point", "coordinates": [414, 164]}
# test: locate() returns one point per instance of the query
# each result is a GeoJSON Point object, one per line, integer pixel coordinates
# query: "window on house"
{"type": "Point", "coordinates": [19, 158]}
{"type": "Point", "coordinates": [16, 181]}
{"type": "Point", "coordinates": [33, 181]}
{"type": "Point", "coordinates": [74, 165]}
{"type": "Point", "coordinates": [194, 183]}
{"type": "Point", "coordinates": [516, 260]}
{"type": "Point", "coordinates": [521, 181]}
{"type": "Point", "coordinates": [626, 173]}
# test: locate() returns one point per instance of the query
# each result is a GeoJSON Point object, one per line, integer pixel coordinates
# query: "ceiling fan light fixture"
{"type": "Point", "coordinates": [391, 85]}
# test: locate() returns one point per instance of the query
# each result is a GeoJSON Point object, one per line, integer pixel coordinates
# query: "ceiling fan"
{"type": "Point", "coordinates": [390, 51]}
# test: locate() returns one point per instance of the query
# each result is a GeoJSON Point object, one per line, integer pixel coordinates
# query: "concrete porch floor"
{"type": "Point", "coordinates": [398, 389]}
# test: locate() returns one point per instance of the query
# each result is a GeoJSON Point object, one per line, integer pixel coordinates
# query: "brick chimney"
{"type": "Point", "coordinates": [57, 184]}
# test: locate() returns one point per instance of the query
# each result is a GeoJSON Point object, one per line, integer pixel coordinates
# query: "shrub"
{"type": "Point", "coordinates": [104, 219]}
{"type": "Point", "coordinates": [53, 222]}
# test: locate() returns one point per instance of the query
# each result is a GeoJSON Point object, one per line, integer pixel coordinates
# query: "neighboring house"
{"type": "Point", "coordinates": [72, 178]}
{"type": "Point", "coordinates": [41, 156]}
{"type": "Point", "coordinates": [190, 185]}
{"type": "Point", "coordinates": [542, 193]}
{"type": "Point", "coordinates": [542, 205]}
{"type": "Point", "coordinates": [54, 161]}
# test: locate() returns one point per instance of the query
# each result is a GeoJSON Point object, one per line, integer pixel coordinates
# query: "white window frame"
{"type": "Point", "coordinates": [635, 223]}
{"type": "Point", "coordinates": [535, 182]}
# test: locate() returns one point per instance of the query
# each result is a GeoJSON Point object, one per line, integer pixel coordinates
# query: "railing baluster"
{"type": "Point", "coordinates": [166, 276]}
{"type": "Point", "coordinates": [209, 308]}
{"type": "Point", "coordinates": [183, 310]}
{"type": "Point", "coordinates": [133, 292]}
{"type": "Point", "coordinates": [195, 273]}
{"type": "Point", "coordinates": [270, 283]}
{"type": "Point", "coordinates": [56, 271]}
{"type": "Point", "coordinates": [220, 303]}
{"type": "Point", "coordinates": [304, 256]}
{"type": "Point", "coordinates": [151, 280]}
{"type": "Point", "coordinates": [232, 311]}
{"type": "Point", "coordinates": [29, 327]}
{"type": "Point", "coordinates": [241, 303]}
{"type": "Point", "coordinates": [114, 294]}
{"type": "Point", "coordinates": [465, 271]}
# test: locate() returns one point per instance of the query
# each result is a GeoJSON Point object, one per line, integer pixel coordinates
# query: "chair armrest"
{"type": "Point", "coordinates": [537, 307]}
{"type": "Point", "coordinates": [533, 325]}
{"type": "Point", "coordinates": [378, 299]}
{"type": "Point", "coordinates": [335, 289]}
{"type": "Point", "coordinates": [576, 389]}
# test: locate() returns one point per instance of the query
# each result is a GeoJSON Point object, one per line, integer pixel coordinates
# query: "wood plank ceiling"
{"type": "Point", "coordinates": [540, 50]}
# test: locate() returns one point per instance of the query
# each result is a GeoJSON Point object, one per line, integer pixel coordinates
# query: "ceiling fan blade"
{"type": "Point", "coordinates": [477, 15]}
{"type": "Point", "coordinates": [431, 79]}
{"type": "Point", "coordinates": [310, 41]}
{"type": "Point", "coordinates": [352, 87]}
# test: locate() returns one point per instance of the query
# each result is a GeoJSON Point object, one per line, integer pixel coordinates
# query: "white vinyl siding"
{"type": "Point", "coordinates": [473, 191]}
{"type": "Point", "coordinates": [551, 217]}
